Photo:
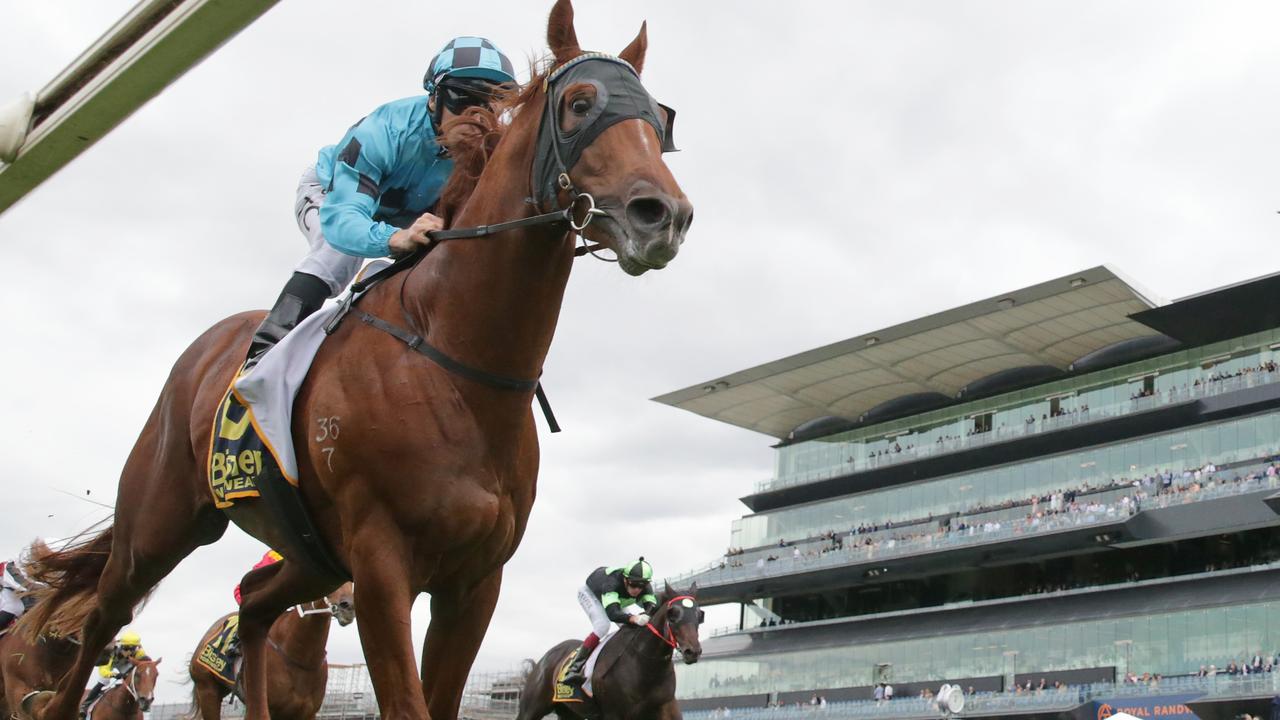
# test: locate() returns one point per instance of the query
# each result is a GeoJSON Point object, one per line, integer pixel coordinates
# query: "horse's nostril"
{"type": "Point", "coordinates": [649, 212]}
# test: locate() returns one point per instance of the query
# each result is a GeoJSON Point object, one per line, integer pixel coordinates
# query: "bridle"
{"type": "Point", "coordinates": [311, 609]}
{"type": "Point", "coordinates": [131, 680]}
{"type": "Point", "coordinates": [556, 153]}
{"type": "Point", "coordinates": [667, 635]}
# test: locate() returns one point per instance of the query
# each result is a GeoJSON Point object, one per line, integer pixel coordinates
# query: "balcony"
{"type": "Point", "coordinates": [783, 490]}
{"type": "Point", "coordinates": [1121, 522]}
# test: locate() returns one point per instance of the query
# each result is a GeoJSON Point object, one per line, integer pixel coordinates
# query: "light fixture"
{"type": "Point", "coordinates": [871, 340]}
{"type": "Point", "coordinates": [1078, 282]}
{"type": "Point", "coordinates": [1005, 303]}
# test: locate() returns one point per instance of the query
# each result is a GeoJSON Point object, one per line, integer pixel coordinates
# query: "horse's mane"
{"type": "Point", "coordinates": [472, 137]}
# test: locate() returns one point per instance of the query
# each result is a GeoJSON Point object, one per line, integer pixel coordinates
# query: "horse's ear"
{"type": "Point", "coordinates": [693, 589]}
{"type": "Point", "coordinates": [561, 37]}
{"type": "Point", "coordinates": [158, 660]}
{"type": "Point", "coordinates": [667, 589]}
{"type": "Point", "coordinates": [634, 53]}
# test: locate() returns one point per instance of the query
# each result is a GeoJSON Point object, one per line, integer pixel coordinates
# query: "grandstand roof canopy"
{"type": "Point", "coordinates": [1049, 325]}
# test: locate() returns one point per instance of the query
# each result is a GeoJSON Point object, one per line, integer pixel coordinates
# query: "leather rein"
{"type": "Point", "coordinates": [581, 205]}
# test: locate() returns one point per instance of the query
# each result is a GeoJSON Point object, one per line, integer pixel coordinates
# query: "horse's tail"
{"type": "Point", "coordinates": [193, 712]}
{"type": "Point", "coordinates": [67, 583]}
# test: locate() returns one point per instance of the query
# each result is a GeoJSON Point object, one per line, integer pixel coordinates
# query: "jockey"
{"type": "Point", "coordinates": [605, 597]}
{"type": "Point", "coordinates": [12, 582]}
{"type": "Point", "coordinates": [117, 658]}
{"type": "Point", "coordinates": [270, 558]}
{"type": "Point", "coordinates": [372, 194]}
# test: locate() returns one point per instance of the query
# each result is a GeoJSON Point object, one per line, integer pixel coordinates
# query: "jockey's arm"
{"type": "Point", "coordinates": [613, 608]}
{"type": "Point", "coordinates": [648, 600]}
{"type": "Point", "coordinates": [346, 217]}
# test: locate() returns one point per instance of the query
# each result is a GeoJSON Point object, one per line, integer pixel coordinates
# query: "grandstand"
{"type": "Point", "coordinates": [1059, 499]}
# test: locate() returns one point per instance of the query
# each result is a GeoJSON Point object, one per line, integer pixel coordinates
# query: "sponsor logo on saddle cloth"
{"type": "Point", "coordinates": [215, 655]}
{"type": "Point", "coordinates": [251, 441]}
{"type": "Point", "coordinates": [562, 693]}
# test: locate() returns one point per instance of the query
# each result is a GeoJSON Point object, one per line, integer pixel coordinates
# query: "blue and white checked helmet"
{"type": "Point", "coordinates": [469, 57]}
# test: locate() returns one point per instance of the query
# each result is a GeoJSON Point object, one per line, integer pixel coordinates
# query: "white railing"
{"type": "Point", "coordinates": [1009, 432]}
{"type": "Point", "coordinates": [756, 566]}
{"type": "Point", "coordinates": [1001, 703]}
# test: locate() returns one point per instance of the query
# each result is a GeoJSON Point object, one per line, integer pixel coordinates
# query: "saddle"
{"type": "Point", "coordinates": [581, 697]}
{"type": "Point", "coordinates": [576, 697]}
{"type": "Point", "coordinates": [216, 655]}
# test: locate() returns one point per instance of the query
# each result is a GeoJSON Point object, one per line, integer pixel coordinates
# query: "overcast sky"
{"type": "Point", "coordinates": [853, 165]}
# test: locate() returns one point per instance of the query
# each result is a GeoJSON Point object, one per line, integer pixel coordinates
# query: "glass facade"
{"type": "Point", "coordinates": [1106, 393]}
{"type": "Point", "coordinates": [1226, 442]}
{"type": "Point", "coordinates": [1169, 643]}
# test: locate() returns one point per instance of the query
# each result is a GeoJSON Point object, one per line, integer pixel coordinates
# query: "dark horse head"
{"type": "Point", "coordinates": [677, 621]}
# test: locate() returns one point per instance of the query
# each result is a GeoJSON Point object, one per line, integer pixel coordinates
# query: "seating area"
{"type": "Point", "coordinates": [1073, 508]}
{"type": "Point", "coordinates": [1066, 698]}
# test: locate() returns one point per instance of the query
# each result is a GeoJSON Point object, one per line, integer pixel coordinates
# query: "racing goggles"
{"type": "Point", "coordinates": [458, 95]}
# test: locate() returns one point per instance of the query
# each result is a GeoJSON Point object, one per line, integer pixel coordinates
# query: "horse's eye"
{"type": "Point", "coordinates": [580, 105]}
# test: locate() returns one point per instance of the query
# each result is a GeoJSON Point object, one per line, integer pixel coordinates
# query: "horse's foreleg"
{"type": "Point", "coordinates": [458, 624]}
{"type": "Point", "coordinates": [384, 596]}
{"type": "Point", "coordinates": [265, 593]}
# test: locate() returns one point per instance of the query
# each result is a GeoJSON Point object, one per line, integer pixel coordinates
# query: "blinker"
{"type": "Point", "coordinates": [619, 96]}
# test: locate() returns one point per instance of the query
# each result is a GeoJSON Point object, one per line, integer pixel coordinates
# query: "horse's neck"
{"type": "Point", "coordinates": [493, 302]}
{"type": "Point", "coordinates": [302, 639]}
{"type": "Point", "coordinates": [653, 647]}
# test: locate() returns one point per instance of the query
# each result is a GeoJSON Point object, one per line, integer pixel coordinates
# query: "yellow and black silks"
{"type": "Point", "coordinates": [214, 656]}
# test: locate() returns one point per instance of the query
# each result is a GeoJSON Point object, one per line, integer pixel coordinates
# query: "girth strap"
{"type": "Point", "coordinates": [419, 344]}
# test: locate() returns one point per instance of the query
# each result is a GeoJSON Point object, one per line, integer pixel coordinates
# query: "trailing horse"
{"type": "Point", "coordinates": [633, 679]}
{"type": "Point", "coordinates": [297, 670]}
{"type": "Point", "coordinates": [417, 478]}
{"type": "Point", "coordinates": [132, 697]}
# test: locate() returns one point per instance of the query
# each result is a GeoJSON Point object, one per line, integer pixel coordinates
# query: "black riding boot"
{"type": "Point", "coordinates": [6, 617]}
{"type": "Point", "coordinates": [94, 692]}
{"type": "Point", "coordinates": [302, 295]}
{"type": "Point", "coordinates": [576, 675]}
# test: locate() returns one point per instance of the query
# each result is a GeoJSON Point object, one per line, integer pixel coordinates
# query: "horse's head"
{"type": "Point", "coordinates": [603, 135]}
{"type": "Point", "coordinates": [142, 682]}
{"type": "Point", "coordinates": [682, 615]}
{"type": "Point", "coordinates": [342, 603]}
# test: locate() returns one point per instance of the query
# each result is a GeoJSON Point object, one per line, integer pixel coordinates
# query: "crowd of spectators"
{"type": "Point", "coordinates": [1061, 508]}
{"type": "Point", "coordinates": [903, 447]}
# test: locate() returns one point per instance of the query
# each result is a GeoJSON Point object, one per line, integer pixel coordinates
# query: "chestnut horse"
{"type": "Point", "coordinates": [297, 670]}
{"type": "Point", "coordinates": [417, 478]}
{"type": "Point", "coordinates": [30, 670]}
{"type": "Point", "coordinates": [634, 678]}
{"type": "Point", "coordinates": [132, 697]}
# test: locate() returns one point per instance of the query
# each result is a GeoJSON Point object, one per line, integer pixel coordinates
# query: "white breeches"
{"type": "Point", "coordinates": [10, 602]}
{"type": "Point", "coordinates": [600, 624]}
{"type": "Point", "coordinates": [336, 269]}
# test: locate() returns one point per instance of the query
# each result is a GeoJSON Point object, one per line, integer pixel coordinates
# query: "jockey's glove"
{"type": "Point", "coordinates": [640, 619]}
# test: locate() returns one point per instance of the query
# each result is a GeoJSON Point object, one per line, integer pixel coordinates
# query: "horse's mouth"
{"type": "Point", "coordinates": [635, 266]}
